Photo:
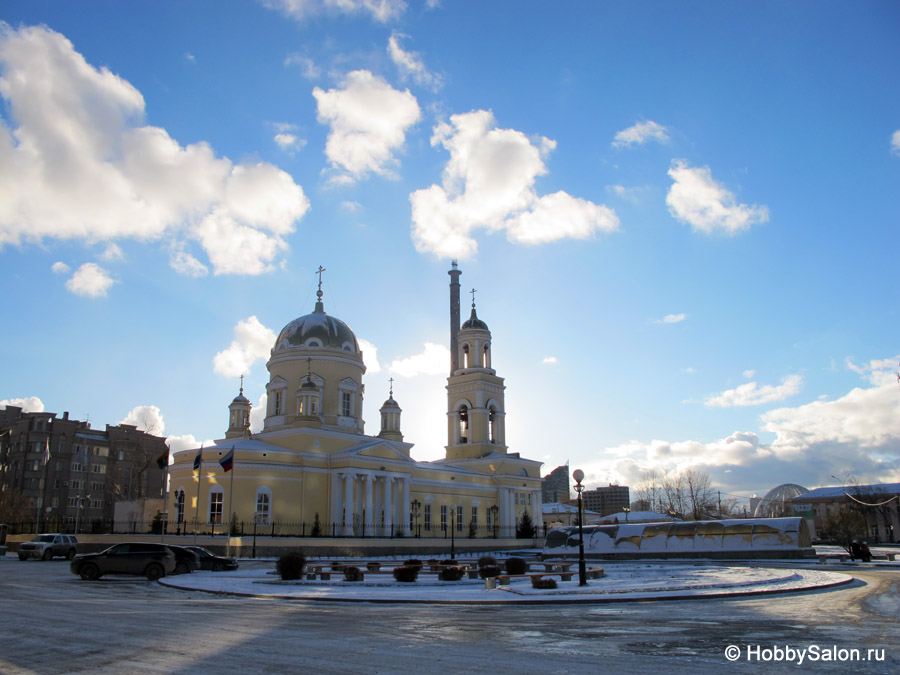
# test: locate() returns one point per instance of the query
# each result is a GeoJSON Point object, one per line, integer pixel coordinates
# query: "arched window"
{"type": "Point", "coordinates": [263, 506]}
{"type": "Point", "coordinates": [465, 356]}
{"type": "Point", "coordinates": [463, 424]}
{"type": "Point", "coordinates": [494, 423]}
{"type": "Point", "coordinates": [487, 355]}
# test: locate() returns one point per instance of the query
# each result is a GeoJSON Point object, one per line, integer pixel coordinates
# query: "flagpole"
{"type": "Point", "coordinates": [230, 503]}
{"type": "Point", "coordinates": [197, 509]}
{"type": "Point", "coordinates": [165, 523]}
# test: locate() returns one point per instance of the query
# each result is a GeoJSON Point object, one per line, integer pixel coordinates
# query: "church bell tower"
{"type": "Point", "coordinates": [475, 401]}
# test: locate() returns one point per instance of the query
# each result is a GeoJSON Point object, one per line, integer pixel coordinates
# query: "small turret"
{"type": "Point", "coordinates": [390, 418]}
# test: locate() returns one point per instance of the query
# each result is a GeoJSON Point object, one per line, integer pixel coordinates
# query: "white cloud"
{"type": "Point", "coordinates": [370, 356]}
{"type": "Point", "coordinates": [187, 265]}
{"type": "Point", "coordinates": [856, 434]}
{"type": "Point", "coordinates": [411, 65]}
{"type": "Point", "coordinates": [671, 318]}
{"type": "Point", "coordinates": [380, 10]}
{"type": "Point", "coordinates": [184, 442]}
{"type": "Point", "coordinates": [751, 394]}
{"type": "Point", "coordinates": [29, 404]}
{"type": "Point", "coordinates": [148, 418]}
{"type": "Point", "coordinates": [878, 371]}
{"type": "Point", "coordinates": [749, 374]}
{"type": "Point", "coordinates": [640, 133]}
{"type": "Point", "coordinates": [59, 268]}
{"type": "Point", "coordinates": [550, 360]}
{"type": "Point", "coordinates": [112, 253]}
{"type": "Point", "coordinates": [368, 120]}
{"type": "Point", "coordinates": [351, 207]}
{"type": "Point", "coordinates": [91, 281]}
{"type": "Point", "coordinates": [253, 341]}
{"type": "Point", "coordinates": [489, 183]}
{"type": "Point", "coordinates": [86, 168]}
{"type": "Point", "coordinates": [308, 67]}
{"type": "Point", "coordinates": [698, 200]}
{"type": "Point", "coordinates": [862, 418]}
{"type": "Point", "coordinates": [434, 360]}
{"type": "Point", "coordinates": [190, 57]}
{"type": "Point", "coordinates": [258, 413]}
{"type": "Point", "coordinates": [895, 142]}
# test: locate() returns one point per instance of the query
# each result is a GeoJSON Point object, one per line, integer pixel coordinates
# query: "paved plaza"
{"type": "Point", "coordinates": [52, 622]}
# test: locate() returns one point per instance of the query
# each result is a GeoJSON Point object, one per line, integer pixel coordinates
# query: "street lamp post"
{"type": "Point", "coordinates": [453, 533]}
{"type": "Point", "coordinates": [578, 475]}
{"type": "Point", "coordinates": [494, 510]}
{"type": "Point", "coordinates": [627, 511]}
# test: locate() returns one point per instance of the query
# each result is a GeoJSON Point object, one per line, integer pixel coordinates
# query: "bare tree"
{"type": "Point", "coordinates": [698, 492]}
{"type": "Point", "coordinates": [647, 491]}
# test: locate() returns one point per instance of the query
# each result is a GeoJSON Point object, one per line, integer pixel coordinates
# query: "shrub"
{"type": "Point", "coordinates": [352, 573]}
{"type": "Point", "coordinates": [336, 566]}
{"type": "Point", "coordinates": [516, 566]}
{"type": "Point", "coordinates": [414, 562]}
{"type": "Point", "coordinates": [486, 561]}
{"type": "Point", "coordinates": [489, 571]}
{"type": "Point", "coordinates": [373, 566]}
{"type": "Point", "coordinates": [449, 562]}
{"type": "Point", "coordinates": [406, 573]}
{"type": "Point", "coordinates": [290, 565]}
{"type": "Point", "coordinates": [541, 582]}
{"type": "Point", "coordinates": [433, 564]}
{"type": "Point", "coordinates": [452, 573]}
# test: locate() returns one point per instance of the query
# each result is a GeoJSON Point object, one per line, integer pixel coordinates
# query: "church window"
{"type": "Point", "coordinates": [277, 410]}
{"type": "Point", "coordinates": [464, 425]}
{"type": "Point", "coordinates": [313, 343]}
{"type": "Point", "coordinates": [346, 404]}
{"type": "Point", "coordinates": [312, 406]}
{"type": "Point", "coordinates": [475, 516]}
{"type": "Point", "coordinates": [428, 516]}
{"type": "Point", "coordinates": [443, 517]}
{"type": "Point", "coordinates": [263, 503]}
{"type": "Point", "coordinates": [487, 356]}
{"type": "Point", "coordinates": [216, 502]}
{"type": "Point", "coordinates": [465, 356]}
{"type": "Point", "coordinates": [494, 423]}
{"type": "Point", "coordinates": [459, 518]}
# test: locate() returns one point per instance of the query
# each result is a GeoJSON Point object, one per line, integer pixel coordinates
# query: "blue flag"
{"type": "Point", "coordinates": [198, 460]}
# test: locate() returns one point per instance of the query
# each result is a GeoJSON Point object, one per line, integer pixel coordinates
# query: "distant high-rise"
{"type": "Point", "coordinates": [555, 486]}
{"type": "Point", "coordinates": [607, 500]}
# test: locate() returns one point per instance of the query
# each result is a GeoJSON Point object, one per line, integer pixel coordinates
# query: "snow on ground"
{"type": "Point", "coordinates": [623, 581]}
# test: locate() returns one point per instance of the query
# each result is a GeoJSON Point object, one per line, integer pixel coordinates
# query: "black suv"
{"type": "Point", "coordinates": [150, 560]}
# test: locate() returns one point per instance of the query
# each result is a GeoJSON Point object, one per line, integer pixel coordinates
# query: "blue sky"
{"type": "Point", "coordinates": [681, 218]}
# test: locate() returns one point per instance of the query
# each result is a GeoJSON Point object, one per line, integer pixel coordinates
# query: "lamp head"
{"type": "Point", "coordinates": [578, 475]}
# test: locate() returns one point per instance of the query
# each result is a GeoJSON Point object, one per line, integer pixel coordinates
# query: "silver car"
{"type": "Point", "coordinates": [48, 546]}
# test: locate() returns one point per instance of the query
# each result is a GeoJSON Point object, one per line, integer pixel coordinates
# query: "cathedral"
{"type": "Point", "coordinates": [312, 469]}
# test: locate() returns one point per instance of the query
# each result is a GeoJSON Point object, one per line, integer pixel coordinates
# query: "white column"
{"type": "Point", "coordinates": [404, 506]}
{"type": "Point", "coordinates": [511, 512]}
{"type": "Point", "coordinates": [388, 503]}
{"type": "Point", "coordinates": [379, 505]}
{"type": "Point", "coordinates": [334, 517]}
{"type": "Point", "coordinates": [367, 524]}
{"type": "Point", "coordinates": [348, 504]}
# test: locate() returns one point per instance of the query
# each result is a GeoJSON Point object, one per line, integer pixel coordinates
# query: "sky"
{"type": "Point", "coordinates": [680, 219]}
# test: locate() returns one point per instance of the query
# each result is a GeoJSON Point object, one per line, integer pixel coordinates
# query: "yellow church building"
{"type": "Point", "coordinates": [313, 470]}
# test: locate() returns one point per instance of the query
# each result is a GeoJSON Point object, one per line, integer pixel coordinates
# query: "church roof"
{"type": "Point", "coordinates": [318, 330]}
{"type": "Point", "coordinates": [474, 322]}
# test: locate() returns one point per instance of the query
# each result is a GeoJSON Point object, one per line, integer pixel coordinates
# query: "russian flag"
{"type": "Point", "coordinates": [227, 462]}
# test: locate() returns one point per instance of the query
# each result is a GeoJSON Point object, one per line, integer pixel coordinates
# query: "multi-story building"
{"type": "Point", "coordinates": [555, 486]}
{"type": "Point", "coordinates": [70, 472]}
{"type": "Point", "coordinates": [606, 500]}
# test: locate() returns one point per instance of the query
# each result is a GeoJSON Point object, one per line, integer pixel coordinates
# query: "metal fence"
{"type": "Point", "coordinates": [278, 528]}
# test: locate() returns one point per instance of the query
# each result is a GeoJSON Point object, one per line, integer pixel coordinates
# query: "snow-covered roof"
{"type": "Point", "coordinates": [636, 517]}
{"type": "Point", "coordinates": [835, 492]}
{"type": "Point", "coordinates": [556, 507]}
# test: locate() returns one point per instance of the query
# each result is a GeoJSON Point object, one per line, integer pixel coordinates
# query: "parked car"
{"type": "Point", "coordinates": [186, 560]}
{"type": "Point", "coordinates": [150, 560]}
{"type": "Point", "coordinates": [211, 561]}
{"type": "Point", "coordinates": [47, 546]}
